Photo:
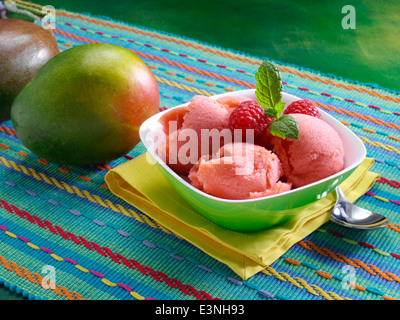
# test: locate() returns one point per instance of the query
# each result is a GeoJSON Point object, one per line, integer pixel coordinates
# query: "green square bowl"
{"type": "Point", "coordinates": [259, 213]}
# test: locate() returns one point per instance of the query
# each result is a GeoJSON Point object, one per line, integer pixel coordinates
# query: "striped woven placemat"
{"type": "Point", "coordinates": [62, 223]}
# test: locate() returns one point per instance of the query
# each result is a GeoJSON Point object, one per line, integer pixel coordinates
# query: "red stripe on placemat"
{"type": "Point", "coordinates": [104, 251]}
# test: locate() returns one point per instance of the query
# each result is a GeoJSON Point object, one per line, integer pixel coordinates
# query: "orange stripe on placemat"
{"type": "Point", "coordinates": [357, 115]}
{"type": "Point", "coordinates": [37, 279]}
{"type": "Point", "coordinates": [11, 132]}
{"type": "Point", "coordinates": [165, 60]}
{"type": "Point", "coordinates": [340, 85]}
{"type": "Point", "coordinates": [228, 55]}
{"type": "Point", "coordinates": [372, 269]}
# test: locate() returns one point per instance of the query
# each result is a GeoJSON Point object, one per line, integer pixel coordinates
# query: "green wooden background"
{"type": "Point", "coordinates": [305, 33]}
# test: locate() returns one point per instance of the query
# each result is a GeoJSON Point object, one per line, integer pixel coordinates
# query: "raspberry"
{"type": "Point", "coordinates": [249, 115]}
{"type": "Point", "coordinates": [302, 106]}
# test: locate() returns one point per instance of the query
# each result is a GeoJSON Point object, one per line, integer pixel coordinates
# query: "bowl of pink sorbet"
{"type": "Point", "coordinates": [241, 185]}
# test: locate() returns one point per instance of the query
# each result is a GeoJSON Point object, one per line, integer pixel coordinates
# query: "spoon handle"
{"type": "Point", "coordinates": [340, 195]}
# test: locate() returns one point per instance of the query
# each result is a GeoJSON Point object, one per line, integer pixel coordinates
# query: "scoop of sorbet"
{"type": "Point", "coordinates": [199, 129]}
{"type": "Point", "coordinates": [239, 171]}
{"type": "Point", "coordinates": [317, 154]}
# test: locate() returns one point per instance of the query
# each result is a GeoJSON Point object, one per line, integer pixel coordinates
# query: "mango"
{"type": "Point", "coordinates": [24, 48]}
{"type": "Point", "coordinates": [85, 106]}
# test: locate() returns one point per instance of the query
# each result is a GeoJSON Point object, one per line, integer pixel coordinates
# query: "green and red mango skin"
{"type": "Point", "coordinates": [85, 106]}
{"type": "Point", "coordinates": [24, 48]}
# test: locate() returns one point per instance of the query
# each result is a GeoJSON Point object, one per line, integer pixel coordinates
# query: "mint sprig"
{"type": "Point", "coordinates": [269, 96]}
{"type": "Point", "coordinates": [284, 127]}
{"type": "Point", "coordinates": [269, 87]}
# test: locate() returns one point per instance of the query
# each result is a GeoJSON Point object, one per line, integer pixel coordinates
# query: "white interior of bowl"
{"type": "Point", "coordinates": [354, 148]}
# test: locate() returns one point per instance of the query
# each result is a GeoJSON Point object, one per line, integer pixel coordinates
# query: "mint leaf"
{"type": "Point", "coordinates": [279, 108]}
{"type": "Point", "coordinates": [270, 112]}
{"type": "Point", "coordinates": [269, 85]}
{"type": "Point", "coordinates": [269, 96]}
{"type": "Point", "coordinates": [284, 127]}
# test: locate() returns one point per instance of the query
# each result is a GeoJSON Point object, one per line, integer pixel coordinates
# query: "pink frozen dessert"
{"type": "Point", "coordinates": [239, 171]}
{"type": "Point", "coordinates": [316, 155]}
{"type": "Point", "coordinates": [231, 102]}
{"type": "Point", "coordinates": [205, 113]}
{"type": "Point", "coordinates": [199, 129]}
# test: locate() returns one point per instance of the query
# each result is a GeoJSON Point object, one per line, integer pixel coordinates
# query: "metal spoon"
{"type": "Point", "coordinates": [348, 214]}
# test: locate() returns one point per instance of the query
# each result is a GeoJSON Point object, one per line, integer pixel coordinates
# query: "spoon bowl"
{"type": "Point", "coordinates": [349, 215]}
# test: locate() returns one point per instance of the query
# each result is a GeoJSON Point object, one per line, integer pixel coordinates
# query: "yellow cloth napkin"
{"type": "Point", "coordinates": [141, 184]}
